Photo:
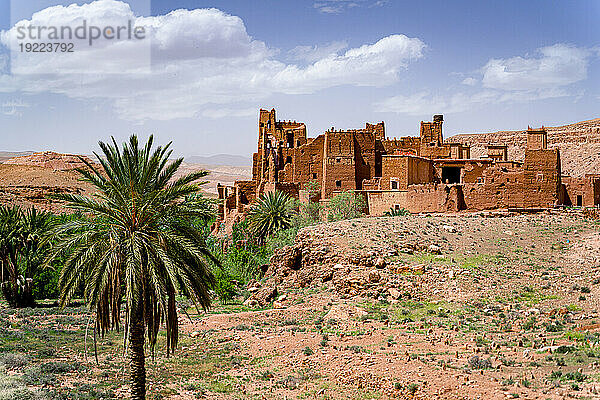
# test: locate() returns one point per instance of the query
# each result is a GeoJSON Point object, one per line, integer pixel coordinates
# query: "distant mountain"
{"type": "Point", "coordinates": [50, 160]}
{"type": "Point", "coordinates": [5, 155]}
{"type": "Point", "coordinates": [220, 159]}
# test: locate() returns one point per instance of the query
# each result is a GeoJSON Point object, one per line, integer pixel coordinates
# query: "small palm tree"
{"type": "Point", "coordinates": [137, 246]}
{"type": "Point", "coordinates": [396, 212]}
{"type": "Point", "coordinates": [270, 213]}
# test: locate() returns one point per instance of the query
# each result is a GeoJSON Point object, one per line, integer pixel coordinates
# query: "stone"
{"type": "Point", "coordinates": [374, 276]}
{"type": "Point", "coordinates": [251, 303]}
{"type": "Point", "coordinates": [278, 304]}
{"type": "Point", "coordinates": [449, 228]}
{"type": "Point", "coordinates": [380, 263]}
{"type": "Point", "coordinates": [264, 296]}
{"type": "Point", "coordinates": [434, 249]}
{"type": "Point", "coordinates": [394, 293]}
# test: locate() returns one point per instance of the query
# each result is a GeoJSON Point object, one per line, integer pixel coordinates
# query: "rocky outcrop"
{"type": "Point", "coordinates": [317, 259]}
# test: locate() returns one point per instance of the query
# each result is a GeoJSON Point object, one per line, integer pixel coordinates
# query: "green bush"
{"type": "Point", "coordinates": [45, 374]}
{"type": "Point", "coordinates": [346, 205]}
{"type": "Point", "coordinates": [13, 361]}
{"type": "Point", "coordinates": [284, 237]}
{"type": "Point", "coordinates": [224, 287]}
{"type": "Point", "coordinates": [575, 376]}
{"type": "Point", "coordinates": [240, 257]}
{"type": "Point", "coordinates": [307, 351]}
{"type": "Point", "coordinates": [13, 388]}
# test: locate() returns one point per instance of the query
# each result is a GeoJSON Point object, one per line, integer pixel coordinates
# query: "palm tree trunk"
{"type": "Point", "coordinates": [137, 358]}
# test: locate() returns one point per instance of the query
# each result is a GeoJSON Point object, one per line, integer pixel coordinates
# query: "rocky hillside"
{"type": "Point", "coordinates": [31, 180]}
{"type": "Point", "coordinates": [579, 145]}
{"type": "Point", "coordinates": [27, 186]}
{"type": "Point", "coordinates": [50, 160]}
{"type": "Point", "coordinates": [486, 305]}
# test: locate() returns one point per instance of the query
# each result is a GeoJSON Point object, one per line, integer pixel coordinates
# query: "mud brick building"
{"type": "Point", "coordinates": [420, 174]}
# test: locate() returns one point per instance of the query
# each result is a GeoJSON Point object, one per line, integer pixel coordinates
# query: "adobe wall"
{"type": "Point", "coordinates": [434, 152]}
{"type": "Point", "coordinates": [406, 170]}
{"type": "Point", "coordinates": [256, 164]}
{"type": "Point", "coordinates": [419, 171]}
{"type": "Point", "coordinates": [473, 171]}
{"type": "Point", "coordinates": [458, 151]}
{"type": "Point", "coordinates": [431, 133]}
{"type": "Point", "coordinates": [537, 139]}
{"type": "Point", "coordinates": [338, 163]}
{"type": "Point", "coordinates": [371, 184]}
{"type": "Point", "coordinates": [498, 152]}
{"type": "Point", "coordinates": [245, 193]}
{"type": "Point", "coordinates": [381, 202]}
{"type": "Point", "coordinates": [364, 156]}
{"type": "Point", "coordinates": [541, 178]}
{"type": "Point", "coordinates": [402, 145]}
{"type": "Point", "coordinates": [587, 187]}
{"type": "Point", "coordinates": [426, 198]}
{"type": "Point", "coordinates": [394, 167]}
{"type": "Point", "coordinates": [435, 198]}
{"type": "Point", "coordinates": [308, 162]}
{"type": "Point", "coordinates": [291, 189]}
{"type": "Point", "coordinates": [230, 202]}
{"type": "Point", "coordinates": [500, 189]}
{"type": "Point", "coordinates": [378, 130]}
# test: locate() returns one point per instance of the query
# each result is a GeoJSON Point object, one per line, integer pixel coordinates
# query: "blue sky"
{"type": "Point", "coordinates": [485, 65]}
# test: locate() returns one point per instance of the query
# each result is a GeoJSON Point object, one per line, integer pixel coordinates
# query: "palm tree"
{"type": "Point", "coordinates": [137, 246]}
{"type": "Point", "coordinates": [10, 223]}
{"type": "Point", "coordinates": [270, 213]}
{"type": "Point", "coordinates": [23, 247]}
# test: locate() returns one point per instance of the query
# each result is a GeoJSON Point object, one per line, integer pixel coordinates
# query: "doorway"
{"type": "Point", "coordinates": [451, 175]}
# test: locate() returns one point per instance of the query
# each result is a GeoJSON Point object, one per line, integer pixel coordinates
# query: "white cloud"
{"type": "Point", "coordinates": [470, 81]}
{"type": "Point", "coordinates": [315, 53]}
{"type": "Point", "coordinates": [557, 65]}
{"type": "Point", "coordinates": [340, 6]}
{"type": "Point", "coordinates": [335, 6]}
{"type": "Point", "coordinates": [202, 57]}
{"type": "Point", "coordinates": [512, 80]}
{"type": "Point", "coordinates": [222, 112]}
{"type": "Point", "coordinates": [88, 56]}
{"type": "Point", "coordinates": [426, 103]}
{"type": "Point", "coordinates": [378, 64]}
{"type": "Point", "coordinates": [3, 64]}
{"type": "Point", "coordinates": [14, 107]}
